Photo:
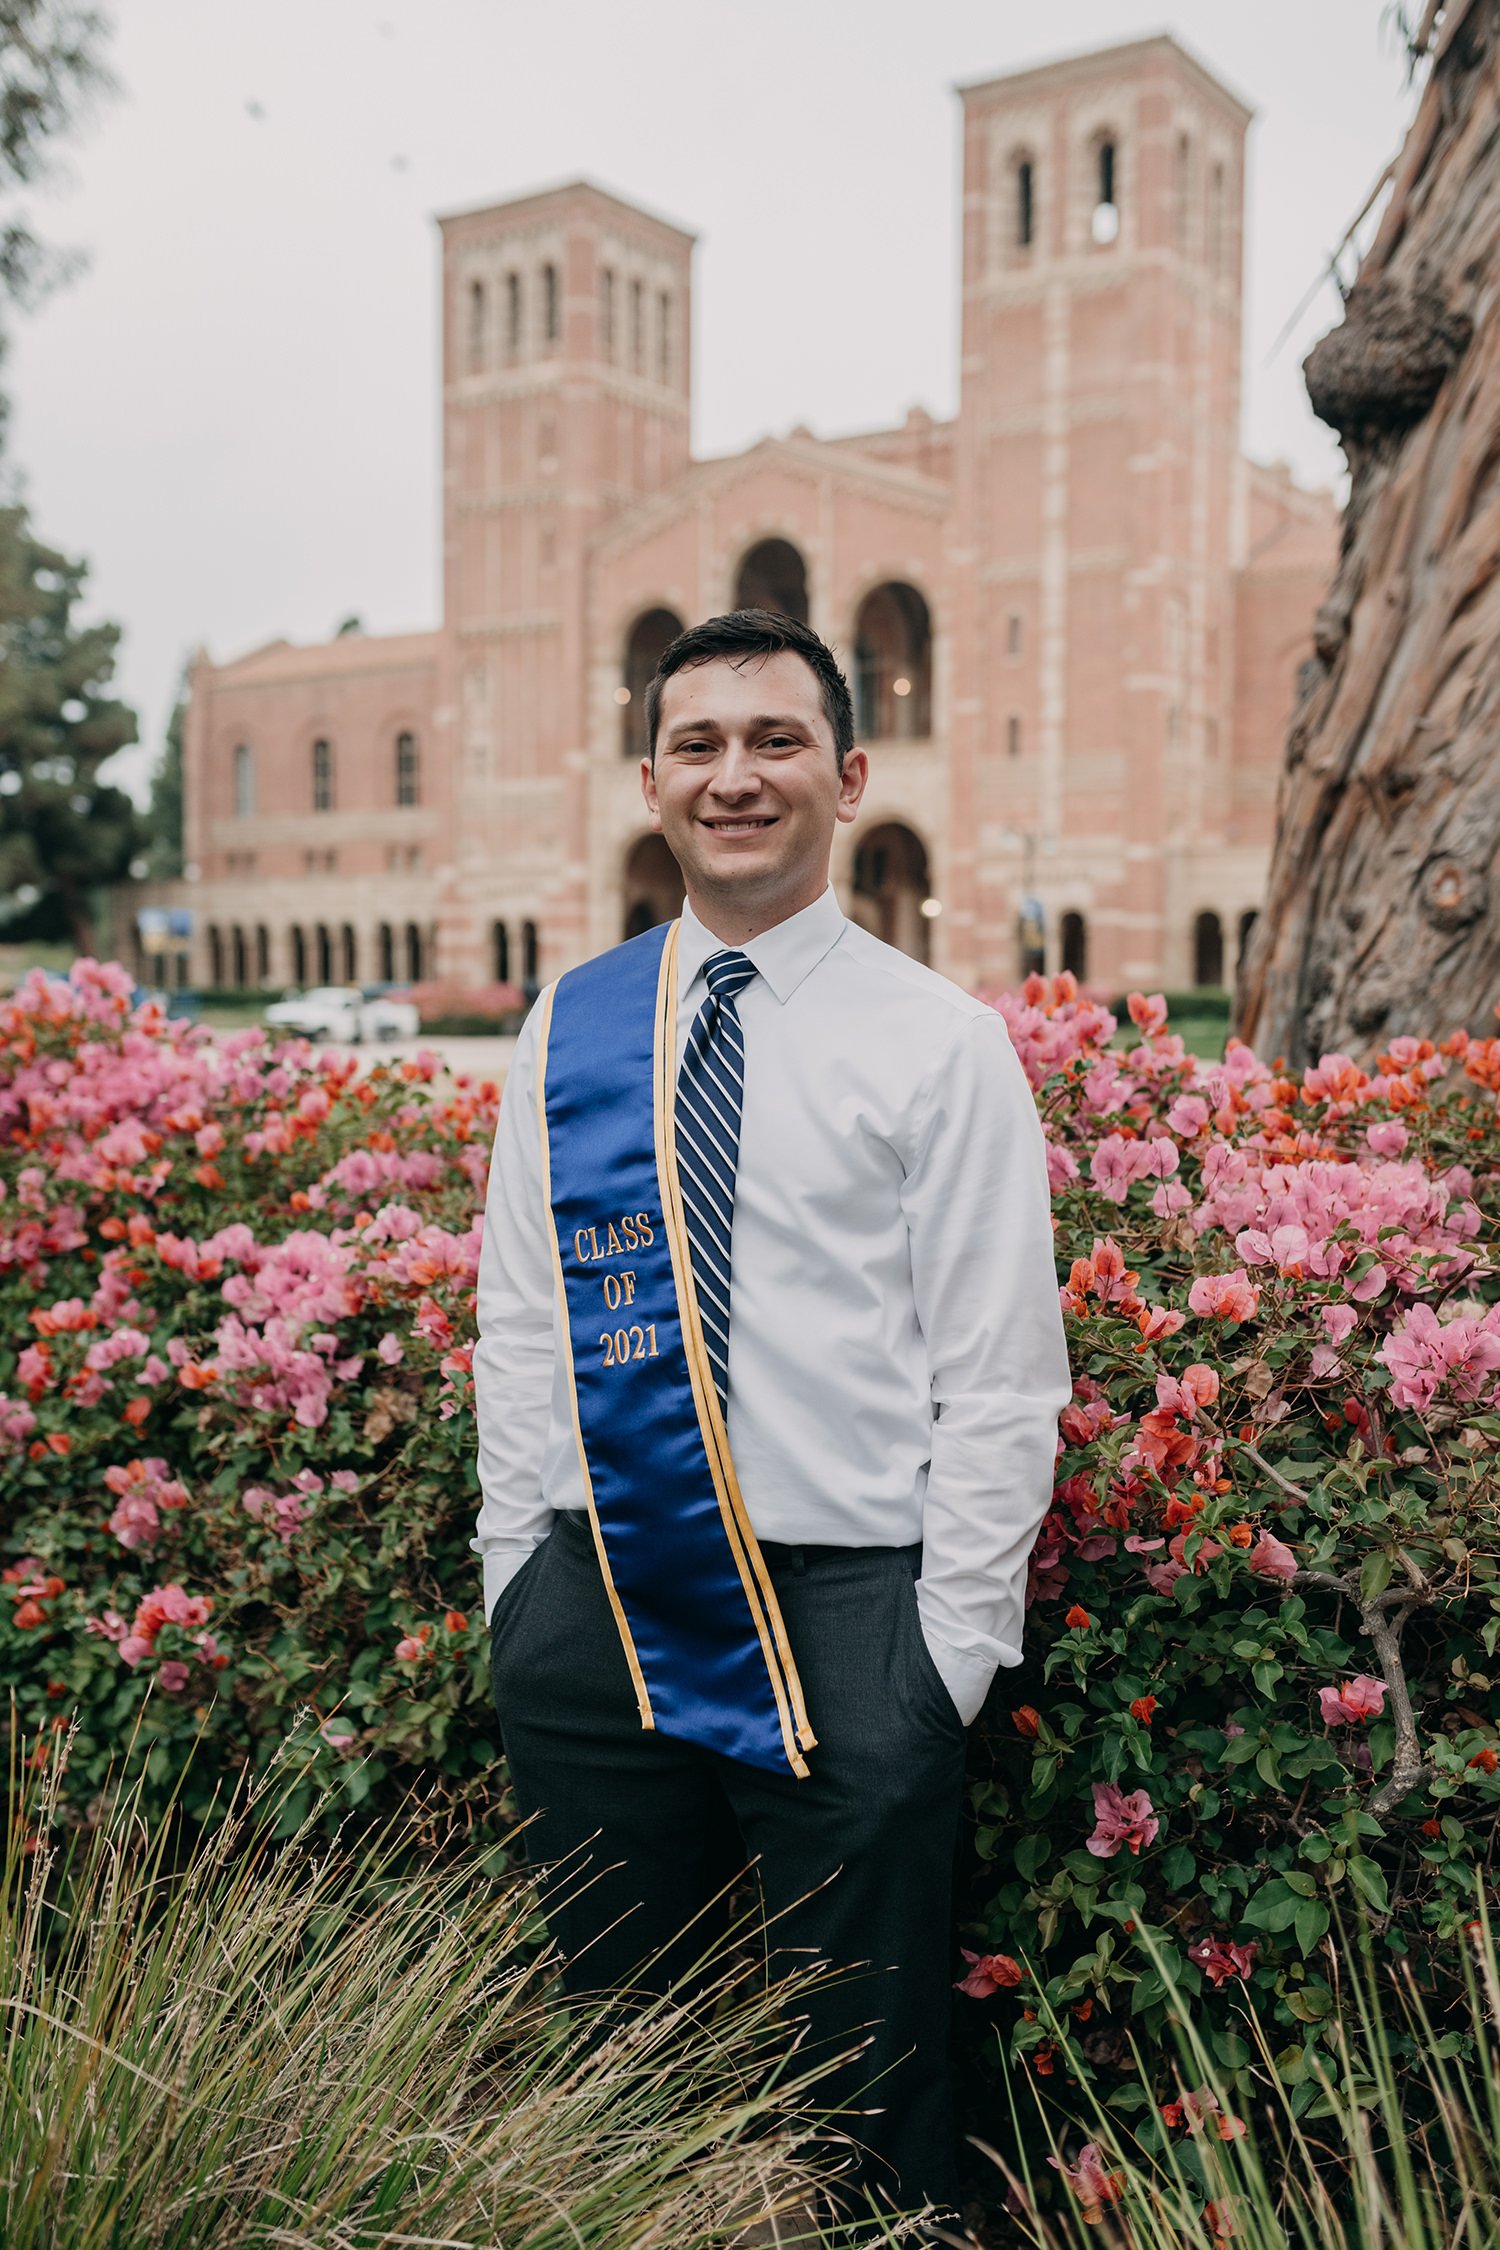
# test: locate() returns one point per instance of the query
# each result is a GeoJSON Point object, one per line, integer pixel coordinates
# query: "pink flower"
{"type": "Point", "coordinates": [1224, 1296]}
{"type": "Point", "coordinates": [390, 1351]}
{"type": "Point", "coordinates": [173, 1676]}
{"type": "Point", "coordinates": [1271, 1558]}
{"type": "Point", "coordinates": [1217, 1957]}
{"type": "Point", "coordinates": [1121, 1820]}
{"type": "Point", "coordinates": [1162, 1577]}
{"type": "Point", "coordinates": [1092, 2181]}
{"type": "Point", "coordinates": [1338, 1320]}
{"type": "Point", "coordinates": [1426, 1355]}
{"type": "Point", "coordinates": [1355, 1703]}
{"type": "Point", "coordinates": [133, 1648]}
{"type": "Point", "coordinates": [409, 1648]}
{"type": "Point", "coordinates": [1188, 1116]}
{"type": "Point", "coordinates": [1388, 1138]}
{"type": "Point", "coordinates": [988, 1972]}
{"type": "Point", "coordinates": [1169, 1200]}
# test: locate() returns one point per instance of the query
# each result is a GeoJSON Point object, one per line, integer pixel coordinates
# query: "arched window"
{"type": "Point", "coordinates": [637, 325]}
{"type": "Point", "coordinates": [476, 327]}
{"type": "Point", "coordinates": [385, 946]}
{"type": "Point", "coordinates": [414, 953]}
{"type": "Point", "coordinates": [1013, 633]}
{"type": "Point", "coordinates": [322, 776]}
{"type": "Point", "coordinates": [1182, 192]}
{"type": "Point", "coordinates": [893, 665]}
{"type": "Point", "coordinates": [239, 965]}
{"type": "Point", "coordinates": [551, 307]}
{"type": "Point", "coordinates": [262, 954]}
{"type": "Point", "coordinates": [773, 576]}
{"type": "Point", "coordinates": [1105, 223]}
{"type": "Point", "coordinates": [1073, 932]}
{"type": "Point", "coordinates": [1025, 203]}
{"type": "Point", "coordinates": [1013, 735]}
{"type": "Point", "coordinates": [512, 315]}
{"type": "Point", "coordinates": [1248, 921]}
{"type": "Point", "coordinates": [324, 943]}
{"type": "Point", "coordinates": [653, 886]}
{"type": "Point", "coordinates": [408, 771]}
{"type": "Point", "coordinates": [244, 781]}
{"type": "Point", "coordinates": [215, 955]}
{"type": "Point", "coordinates": [299, 956]}
{"type": "Point", "coordinates": [349, 953]}
{"type": "Point", "coordinates": [892, 891]}
{"type": "Point", "coordinates": [1208, 949]}
{"type": "Point", "coordinates": [529, 955]}
{"type": "Point", "coordinates": [607, 312]}
{"type": "Point", "coordinates": [1216, 219]}
{"type": "Point", "coordinates": [648, 637]}
{"type": "Point", "coordinates": [663, 337]}
{"type": "Point", "coordinates": [501, 940]}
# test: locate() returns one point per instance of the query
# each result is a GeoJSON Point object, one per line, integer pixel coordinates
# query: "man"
{"type": "Point", "coordinates": [769, 1369]}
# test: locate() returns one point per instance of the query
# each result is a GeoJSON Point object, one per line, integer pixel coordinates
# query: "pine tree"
{"type": "Point", "coordinates": [63, 832]}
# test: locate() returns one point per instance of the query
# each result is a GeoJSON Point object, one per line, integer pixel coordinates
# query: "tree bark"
{"type": "Point", "coordinates": [1381, 915]}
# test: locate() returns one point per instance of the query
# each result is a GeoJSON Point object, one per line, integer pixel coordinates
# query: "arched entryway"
{"type": "Point", "coordinates": [891, 887]}
{"type": "Point", "coordinates": [653, 886]}
{"type": "Point", "coordinates": [893, 665]}
{"type": "Point", "coordinates": [651, 634]}
{"type": "Point", "coordinates": [773, 576]}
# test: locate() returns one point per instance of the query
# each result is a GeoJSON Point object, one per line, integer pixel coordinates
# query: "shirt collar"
{"type": "Point", "coordinates": [783, 955]}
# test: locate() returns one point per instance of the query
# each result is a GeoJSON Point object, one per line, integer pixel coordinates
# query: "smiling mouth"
{"type": "Point", "coordinates": [743, 827]}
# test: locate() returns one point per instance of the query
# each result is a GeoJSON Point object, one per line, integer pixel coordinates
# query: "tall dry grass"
{"type": "Point", "coordinates": [1388, 2155]}
{"type": "Point", "coordinates": [309, 2046]}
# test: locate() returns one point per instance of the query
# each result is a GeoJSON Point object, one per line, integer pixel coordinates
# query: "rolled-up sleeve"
{"type": "Point", "coordinates": [979, 1213]}
{"type": "Point", "coordinates": [513, 1357]}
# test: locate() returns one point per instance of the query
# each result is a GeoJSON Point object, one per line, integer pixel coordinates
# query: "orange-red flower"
{"type": "Point", "coordinates": [1078, 1617]}
{"type": "Point", "coordinates": [1144, 1709]}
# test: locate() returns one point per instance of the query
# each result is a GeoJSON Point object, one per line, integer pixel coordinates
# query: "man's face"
{"type": "Point", "coordinates": [746, 787]}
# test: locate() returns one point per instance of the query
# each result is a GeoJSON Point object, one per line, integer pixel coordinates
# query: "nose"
{"type": "Point", "coordinates": [736, 775]}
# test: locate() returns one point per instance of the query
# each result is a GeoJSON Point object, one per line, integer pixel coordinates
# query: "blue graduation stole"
{"type": "Point", "coordinates": [687, 1583]}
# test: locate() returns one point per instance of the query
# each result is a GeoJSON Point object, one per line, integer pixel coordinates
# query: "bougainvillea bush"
{"type": "Point", "coordinates": [237, 1482]}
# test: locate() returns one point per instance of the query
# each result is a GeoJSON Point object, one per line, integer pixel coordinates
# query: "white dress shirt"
{"type": "Point", "coordinates": [896, 1355]}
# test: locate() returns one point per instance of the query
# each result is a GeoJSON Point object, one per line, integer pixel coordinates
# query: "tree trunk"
{"type": "Point", "coordinates": [1381, 910]}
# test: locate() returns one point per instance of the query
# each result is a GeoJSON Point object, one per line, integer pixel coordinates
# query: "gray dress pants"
{"type": "Point", "coordinates": [854, 1863]}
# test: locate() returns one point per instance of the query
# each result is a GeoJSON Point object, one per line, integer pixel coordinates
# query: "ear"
{"type": "Point", "coordinates": [852, 783]}
{"type": "Point", "coordinates": [648, 791]}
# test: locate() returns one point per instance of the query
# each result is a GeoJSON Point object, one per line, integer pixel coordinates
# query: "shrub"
{"type": "Point", "coordinates": [238, 1469]}
{"type": "Point", "coordinates": [1267, 1595]}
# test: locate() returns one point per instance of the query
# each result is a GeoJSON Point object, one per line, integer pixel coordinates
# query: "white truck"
{"type": "Point", "coordinates": [346, 1014]}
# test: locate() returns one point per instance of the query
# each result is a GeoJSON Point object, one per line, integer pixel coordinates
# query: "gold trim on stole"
{"type": "Point", "coordinates": [643, 1700]}
{"type": "Point", "coordinates": [796, 1733]}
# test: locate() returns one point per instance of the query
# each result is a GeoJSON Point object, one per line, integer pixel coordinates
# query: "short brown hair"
{"type": "Point", "coordinates": [743, 633]}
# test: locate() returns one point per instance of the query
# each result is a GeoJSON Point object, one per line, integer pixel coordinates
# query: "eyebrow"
{"type": "Point", "coordinates": [765, 722]}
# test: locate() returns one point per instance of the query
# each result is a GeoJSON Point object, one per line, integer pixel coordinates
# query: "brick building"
{"type": "Point", "coordinates": [1071, 615]}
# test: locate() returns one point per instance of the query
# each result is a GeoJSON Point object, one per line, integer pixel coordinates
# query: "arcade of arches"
{"type": "Point", "coordinates": [647, 641]}
{"type": "Point", "coordinates": [893, 666]}
{"type": "Point", "coordinates": [653, 886]}
{"type": "Point", "coordinates": [891, 888]}
{"type": "Point", "coordinates": [773, 576]}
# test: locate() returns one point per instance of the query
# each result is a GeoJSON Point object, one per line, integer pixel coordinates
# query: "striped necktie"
{"type": "Point", "coordinates": [710, 1090]}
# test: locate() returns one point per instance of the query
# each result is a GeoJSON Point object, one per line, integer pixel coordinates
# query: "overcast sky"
{"type": "Point", "coordinates": [233, 412]}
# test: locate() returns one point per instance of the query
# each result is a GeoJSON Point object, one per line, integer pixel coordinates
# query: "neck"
{"type": "Point", "coordinates": [736, 921]}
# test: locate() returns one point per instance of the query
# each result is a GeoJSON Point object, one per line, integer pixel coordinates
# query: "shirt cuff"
{"type": "Point", "coordinates": [966, 1676]}
{"type": "Point", "coordinates": [500, 1566]}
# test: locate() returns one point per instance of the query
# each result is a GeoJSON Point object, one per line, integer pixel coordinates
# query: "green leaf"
{"type": "Point", "coordinates": [1178, 1867]}
{"type": "Point", "coordinates": [1369, 1881]}
{"type": "Point", "coordinates": [1298, 1880]}
{"type": "Point", "coordinates": [1311, 1924]}
{"type": "Point", "coordinates": [1031, 1853]}
{"type": "Point", "coordinates": [1268, 1766]}
{"type": "Point", "coordinates": [1375, 1574]}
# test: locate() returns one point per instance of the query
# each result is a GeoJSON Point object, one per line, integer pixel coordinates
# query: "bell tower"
{"type": "Point", "coordinates": [1096, 496]}
{"type": "Point", "coordinates": [567, 320]}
